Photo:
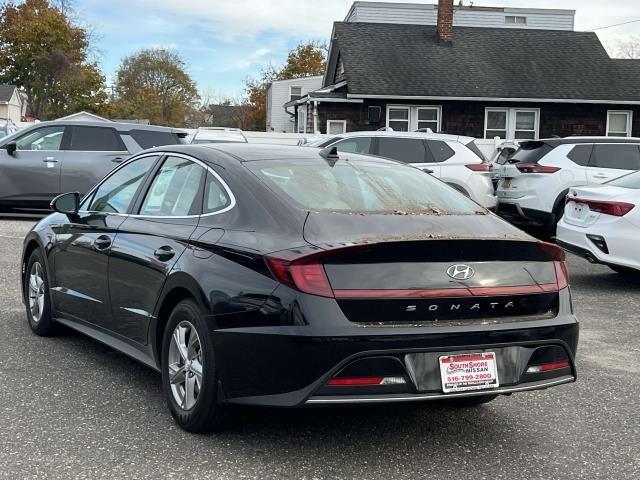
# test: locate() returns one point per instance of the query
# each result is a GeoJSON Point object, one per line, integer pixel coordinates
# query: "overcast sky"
{"type": "Point", "coordinates": [225, 41]}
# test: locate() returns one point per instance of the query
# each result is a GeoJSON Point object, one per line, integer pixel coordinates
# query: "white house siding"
{"type": "Point", "coordinates": [405, 13]}
{"type": "Point", "coordinates": [278, 94]}
{"type": "Point", "coordinates": [12, 110]}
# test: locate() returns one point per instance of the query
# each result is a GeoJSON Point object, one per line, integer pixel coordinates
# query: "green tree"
{"type": "Point", "coordinates": [306, 60]}
{"type": "Point", "coordinates": [153, 83]}
{"type": "Point", "coordinates": [45, 54]}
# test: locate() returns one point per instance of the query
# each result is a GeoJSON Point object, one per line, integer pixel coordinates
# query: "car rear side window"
{"type": "Point", "coordinates": [176, 190]}
{"type": "Point", "coordinates": [619, 156]}
{"type": "Point", "coordinates": [580, 154]}
{"type": "Point", "coordinates": [355, 145]}
{"type": "Point", "coordinates": [151, 138]}
{"type": "Point", "coordinates": [530, 152]}
{"type": "Point", "coordinates": [440, 150]}
{"type": "Point", "coordinates": [474, 148]}
{"type": "Point", "coordinates": [406, 150]}
{"type": "Point", "coordinates": [215, 195]}
{"type": "Point", "coordinates": [116, 193]}
{"type": "Point", "coordinates": [360, 187]}
{"type": "Point", "coordinates": [95, 139]}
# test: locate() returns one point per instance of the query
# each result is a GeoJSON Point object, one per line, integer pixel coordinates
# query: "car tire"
{"type": "Point", "coordinates": [37, 297]}
{"type": "Point", "coordinates": [626, 271]}
{"type": "Point", "coordinates": [467, 402]}
{"type": "Point", "coordinates": [189, 379]}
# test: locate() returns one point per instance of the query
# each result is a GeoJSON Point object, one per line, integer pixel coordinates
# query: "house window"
{"type": "Point", "coordinates": [302, 120]}
{"type": "Point", "coordinates": [413, 117]}
{"type": "Point", "coordinates": [295, 93]}
{"type": "Point", "coordinates": [398, 118]}
{"type": "Point", "coordinates": [515, 20]}
{"type": "Point", "coordinates": [336, 127]}
{"type": "Point", "coordinates": [619, 123]}
{"type": "Point", "coordinates": [512, 123]}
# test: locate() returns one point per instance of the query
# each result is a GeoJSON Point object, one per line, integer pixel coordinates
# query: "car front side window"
{"type": "Point", "coordinates": [117, 192]}
{"type": "Point", "coordinates": [47, 138]}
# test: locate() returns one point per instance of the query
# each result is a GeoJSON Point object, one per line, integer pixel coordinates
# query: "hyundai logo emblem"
{"type": "Point", "coordinates": [460, 272]}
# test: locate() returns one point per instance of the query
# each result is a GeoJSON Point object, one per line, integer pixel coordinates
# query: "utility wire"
{"type": "Point", "coordinates": [614, 25]}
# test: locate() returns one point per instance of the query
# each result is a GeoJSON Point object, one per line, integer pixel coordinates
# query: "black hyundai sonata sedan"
{"type": "Point", "coordinates": [278, 276]}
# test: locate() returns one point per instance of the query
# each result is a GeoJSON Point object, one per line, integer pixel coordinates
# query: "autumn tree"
{"type": "Point", "coordinates": [306, 60]}
{"type": "Point", "coordinates": [153, 83]}
{"type": "Point", "coordinates": [43, 52]}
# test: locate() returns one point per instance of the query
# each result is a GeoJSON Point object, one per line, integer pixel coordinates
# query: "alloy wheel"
{"type": "Point", "coordinates": [36, 292]}
{"type": "Point", "coordinates": [185, 365]}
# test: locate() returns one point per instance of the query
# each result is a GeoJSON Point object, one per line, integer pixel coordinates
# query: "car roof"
{"type": "Point", "coordinates": [119, 126]}
{"type": "Point", "coordinates": [422, 135]}
{"type": "Point", "coordinates": [251, 152]}
{"type": "Point", "coordinates": [554, 142]}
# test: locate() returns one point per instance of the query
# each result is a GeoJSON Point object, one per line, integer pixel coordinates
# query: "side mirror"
{"type": "Point", "coordinates": [67, 203]}
{"type": "Point", "coordinates": [11, 148]}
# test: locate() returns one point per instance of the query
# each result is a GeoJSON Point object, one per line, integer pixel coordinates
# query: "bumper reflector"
{"type": "Point", "coordinates": [548, 367]}
{"type": "Point", "coordinates": [365, 381]}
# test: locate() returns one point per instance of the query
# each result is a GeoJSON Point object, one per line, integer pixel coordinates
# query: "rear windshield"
{"type": "Point", "coordinates": [358, 186]}
{"type": "Point", "coordinates": [530, 152]}
{"type": "Point", "coordinates": [628, 181]}
{"type": "Point", "coordinates": [150, 138]}
{"type": "Point", "coordinates": [474, 148]}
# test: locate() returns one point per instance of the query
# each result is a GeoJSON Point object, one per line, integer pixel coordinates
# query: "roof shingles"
{"type": "Point", "coordinates": [407, 60]}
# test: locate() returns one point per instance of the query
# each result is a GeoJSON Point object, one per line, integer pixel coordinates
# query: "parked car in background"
{"type": "Point", "coordinates": [218, 135]}
{"type": "Point", "coordinates": [602, 224]}
{"type": "Point", "coordinates": [503, 152]}
{"type": "Point", "coordinates": [455, 160]}
{"type": "Point", "coordinates": [275, 276]}
{"type": "Point", "coordinates": [536, 179]}
{"type": "Point", "coordinates": [41, 161]}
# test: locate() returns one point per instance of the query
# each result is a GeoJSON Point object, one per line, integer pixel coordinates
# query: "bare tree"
{"type": "Point", "coordinates": [627, 48]}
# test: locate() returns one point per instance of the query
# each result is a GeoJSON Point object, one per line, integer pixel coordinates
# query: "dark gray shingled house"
{"type": "Point", "coordinates": [484, 82]}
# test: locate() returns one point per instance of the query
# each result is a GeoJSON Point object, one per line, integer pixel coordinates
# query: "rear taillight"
{"type": "Point", "coordinates": [535, 168]}
{"type": "Point", "coordinates": [616, 209]}
{"type": "Point", "coordinates": [559, 262]}
{"type": "Point", "coordinates": [480, 167]}
{"type": "Point", "coordinates": [305, 275]}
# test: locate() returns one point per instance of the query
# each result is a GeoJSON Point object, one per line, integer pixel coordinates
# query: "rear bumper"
{"type": "Point", "coordinates": [618, 237]}
{"type": "Point", "coordinates": [290, 366]}
{"type": "Point", "coordinates": [525, 216]}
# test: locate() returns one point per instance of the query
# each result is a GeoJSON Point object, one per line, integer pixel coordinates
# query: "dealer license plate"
{"type": "Point", "coordinates": [506, 182]}
{"type": "Point", "coordinates": [469, 371]}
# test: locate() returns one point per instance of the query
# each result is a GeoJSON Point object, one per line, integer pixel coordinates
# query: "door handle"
{"type": "Point", "coordinates": [117, 160]}
{"type": "Point", "coordinates": [600, 175]}
{"type": "Point", "coordinates": [427, 170]}
{"type": "Point", "coordinates": [102, 243]}
{"type": "Point", "coordinates": [50, 159]}
{"type": "Point", "coordinates": [164, 253]}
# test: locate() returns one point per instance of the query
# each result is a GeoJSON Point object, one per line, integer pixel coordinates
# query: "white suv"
{"type": "Point", "coordinates": [455, 160]}
{"type": "Point", "coordinates": [536, 179]}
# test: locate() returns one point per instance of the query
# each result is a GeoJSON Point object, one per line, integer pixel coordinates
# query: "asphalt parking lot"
{"type": "Point", "coordinates": [72, 408]}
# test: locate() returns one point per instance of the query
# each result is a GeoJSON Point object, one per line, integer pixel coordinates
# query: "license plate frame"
{"type": "Point", "coordinates": [467, 372]}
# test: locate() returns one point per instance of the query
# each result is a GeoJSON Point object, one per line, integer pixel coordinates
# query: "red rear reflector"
{"type": "Point", "coordinates": [479, 167]}
{"type": "Point", "coordinates": [535, 168]}
{"type": "Point", "coordinates": [356, 382]}
{"type": "Point", "coordinates": [616, 209]}
{"type": "Point", "coordinates": [548, 367]}
{"type": "Point", "coordinates": [365, 381]}
{"type": "Point", "coordinates": [305, 277]}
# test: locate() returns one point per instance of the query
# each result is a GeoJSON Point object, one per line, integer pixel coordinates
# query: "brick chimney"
{"type": "Point", "coordinates": [445, 21]}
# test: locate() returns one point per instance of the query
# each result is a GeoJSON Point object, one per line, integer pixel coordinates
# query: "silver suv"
{"type": "Point", "coordinates": [40, 162]}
